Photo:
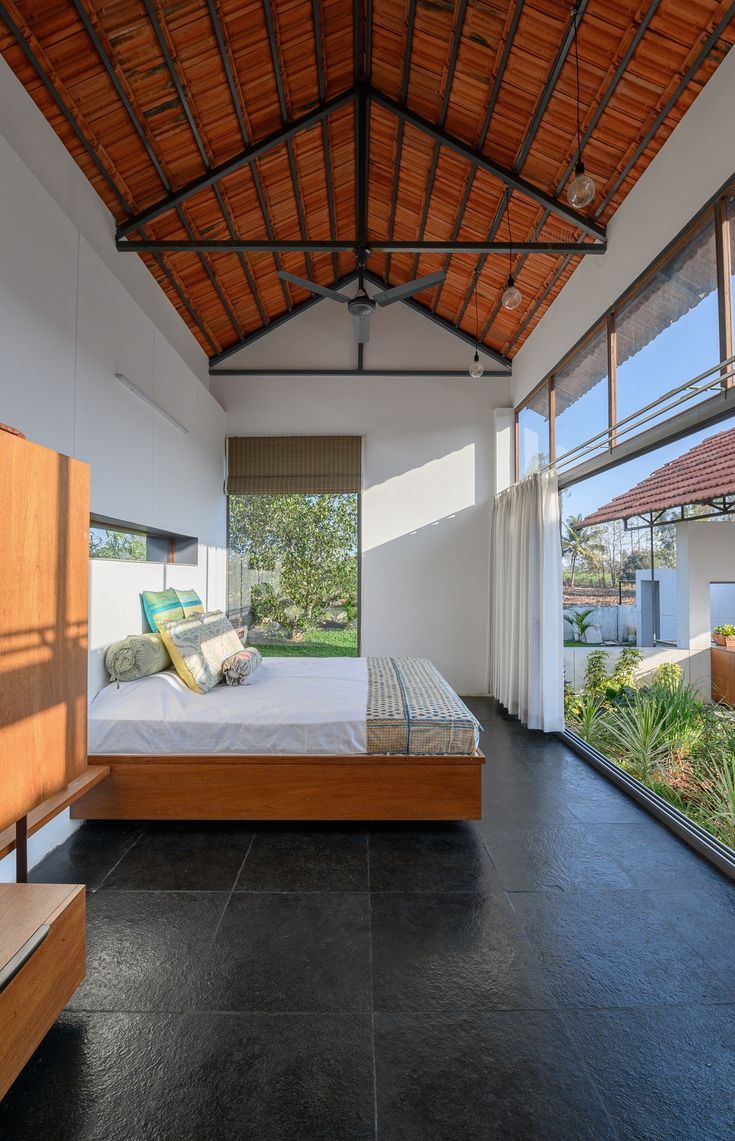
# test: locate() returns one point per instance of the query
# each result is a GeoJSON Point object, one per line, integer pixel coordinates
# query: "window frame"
{"type": "Point", "coordinates": [716, 206]}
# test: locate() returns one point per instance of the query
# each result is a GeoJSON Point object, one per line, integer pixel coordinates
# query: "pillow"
{"type": "Point", "coordinates": [161, 606]}
{"type": "Point", "coordinates": [138, 655]}
{"type": "Point", "coordinates": [239, 668]}
{"type": "Point", "coordinates": [190, 602]}
{"type": "Point", "coordinates": [198, 646]}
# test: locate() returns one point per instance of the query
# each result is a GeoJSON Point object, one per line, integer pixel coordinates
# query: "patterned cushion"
{"type": "Point", "coordinates": [191, 602]}
{"type": "Point", "coordinates": [161, 606]}
{"type": "Point", "coordinates": [239, 669]}
{"type": "Point", "coordinates": [138, 655]}
{"type": "Point", "coordinates": [198, 646]}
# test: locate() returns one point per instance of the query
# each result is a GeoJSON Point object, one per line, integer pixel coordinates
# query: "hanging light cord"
{"type": "Point", "coordinates": [576, 67]}
{"type": "Point", "coordinates": [477, 318]}
{"type": "Point", "coordinates": [510, 234]}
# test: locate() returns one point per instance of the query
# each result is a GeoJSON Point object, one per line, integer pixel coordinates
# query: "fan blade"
{"type": "Point", "coordinates": [313, 287]}
{"type": "Point", "coordinates": [362, 329]}
{"type": "Point", "coordinates": [398, 292]}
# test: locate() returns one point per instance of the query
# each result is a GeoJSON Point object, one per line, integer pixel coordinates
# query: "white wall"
{"type": "Point", "coordinates": [691, 166]}
{"type": "Point", "coordinates": [705, 553]}
{"type": "Point", "coordinates": [429, 472]}
{"type": "Point", "coordinates": [667, 597]}
{"type": "Point", "coordinates": [67, 324]}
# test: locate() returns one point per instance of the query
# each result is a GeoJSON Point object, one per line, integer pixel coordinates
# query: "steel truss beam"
{"type": "Point", "coordinates": [304, 306]}
{"type": "Point", "coordinates": [327, 245]}
{"type": "Point", "coordinates": [245, 158]}
{"type": "Point", "coordinates": [482, 162]}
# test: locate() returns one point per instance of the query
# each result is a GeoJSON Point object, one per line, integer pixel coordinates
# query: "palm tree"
{"type": "Point", "coordinates": [578, 544]}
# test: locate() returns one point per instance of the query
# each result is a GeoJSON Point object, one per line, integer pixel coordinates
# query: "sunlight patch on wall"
{"type": "Point", "coordinates": [419, 497]}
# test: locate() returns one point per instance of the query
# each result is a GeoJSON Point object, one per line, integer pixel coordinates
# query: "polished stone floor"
{"type": "Point", "coordinates": [563, 969]}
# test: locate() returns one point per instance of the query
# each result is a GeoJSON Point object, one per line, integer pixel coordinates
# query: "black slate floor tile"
{"type": "Point", "coordinates": [183, 857]}
{"type": "Point", "coordinates": [564, 855]}
{"type": "Point", "coordinates": [145, 949]}
{"type": "Point", "coordinates": [232, 1077]}
{"type": "Point", "coordinates": [91, 1079]}
{"type": "Point", "coordinates": [88, 855]}
{"type": "Point", "coordinates": [505, 1075]}
{"type": "Point", "coordinates": [706, 920]}
{"type": "Point", "coordinates": [452, 952]}
{"type": "Point", "coordinates": [306, 859]}
{"type": "Point", "coordinates": [614, 948]}
{"type": "Point", "coordinates": [296, 952]}
{"type": "Point", "coordinates": [663, 1073]}
{"type": "Point", "coordinates": [654, 858]}
{"type": "Point", "coordinates": [435, 857]}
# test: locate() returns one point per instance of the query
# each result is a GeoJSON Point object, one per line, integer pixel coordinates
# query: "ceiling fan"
{"type": "Point", "coordinates": [362, 305]}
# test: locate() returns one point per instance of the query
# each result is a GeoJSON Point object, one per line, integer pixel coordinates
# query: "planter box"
{"type": "Point", "coordinates": [727, 640]}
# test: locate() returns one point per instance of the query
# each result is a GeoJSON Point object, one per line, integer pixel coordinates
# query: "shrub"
{"type": "Point", "coordinates": [595, 673]}
{"type": "Point", "coordinates": [580, 621]}
{"type": "Point", "coordinates": [727, 629]}
{"type": "Point", "coordinates": [668, 676]}
{"type": "Point", "coordinates": [717, 800]}
{"type": "Point", "coordinates": [589, 722]}
{"type": "Point", "coordinates": [623, 675]}
{"type": "Point", "coordinates": [638, 734]}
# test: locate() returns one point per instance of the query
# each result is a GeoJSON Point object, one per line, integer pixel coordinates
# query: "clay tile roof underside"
{"type": "Point", "coordinates": [151, 97]}
{"type": "Point", "coordinates": [704, 473]}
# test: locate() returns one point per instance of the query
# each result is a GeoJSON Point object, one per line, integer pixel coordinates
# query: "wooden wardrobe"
{"type": "Point", "coordinates": [44, 546]}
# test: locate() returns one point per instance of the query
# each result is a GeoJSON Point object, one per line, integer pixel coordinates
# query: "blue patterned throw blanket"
{"type": "Point", "coordinates": [412, 710]}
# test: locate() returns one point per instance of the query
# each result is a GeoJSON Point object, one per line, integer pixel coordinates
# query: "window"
{"type": "Point", "coordinates": [669, 331]}
{"type": "Point", "coordinates": [113, 543]}
{"type": "Point", "coordinates": [130, 542]}
{"type": "Point", "coordinates": [581, 394]}
{"type": "Point", "coordinates": [730, 215]}
{"type": "Point", "coordinates": [293, 572]}
{"type": "Point", "coordinates": [533, 433]}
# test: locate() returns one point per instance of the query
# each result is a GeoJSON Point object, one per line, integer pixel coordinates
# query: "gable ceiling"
{"type": "Point", "coordinates": [296, 130]}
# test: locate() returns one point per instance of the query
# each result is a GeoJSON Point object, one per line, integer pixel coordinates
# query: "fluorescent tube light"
{"type": "Point", "coordinates": [151, 402]}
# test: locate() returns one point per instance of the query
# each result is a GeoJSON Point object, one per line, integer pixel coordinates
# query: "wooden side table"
{"type": "Point", "coordinates": [42, 945]}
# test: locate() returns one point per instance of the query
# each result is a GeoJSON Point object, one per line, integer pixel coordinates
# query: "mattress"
{"type": "Point", "coordinates": [291, 706]}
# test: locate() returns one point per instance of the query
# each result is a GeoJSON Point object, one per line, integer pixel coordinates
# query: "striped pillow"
{"type": "Point", "coordinates": [161, 606]}
{"type": "Point", "coordinates": [240, 667]}
{"type": "Point", "coordinates": [191, 602]}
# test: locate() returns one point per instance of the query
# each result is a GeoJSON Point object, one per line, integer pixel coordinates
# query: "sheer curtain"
{"type": "Point", "coordinates": [526, 665]}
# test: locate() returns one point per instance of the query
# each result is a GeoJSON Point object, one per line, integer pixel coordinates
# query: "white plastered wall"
{"type": "Point", "coordinates": [428, 470]}
{"type": "Point", "coordinates": [69, 319]}
{"type": "Point", "coordinates": [705, 553]}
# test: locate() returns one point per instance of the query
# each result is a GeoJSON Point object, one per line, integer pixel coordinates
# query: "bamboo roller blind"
{"type": "Point", "coordinates": [282, 465]}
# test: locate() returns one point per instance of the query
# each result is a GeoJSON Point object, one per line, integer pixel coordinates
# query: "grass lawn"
{"type": "Point", "coordinates": [316, 644]}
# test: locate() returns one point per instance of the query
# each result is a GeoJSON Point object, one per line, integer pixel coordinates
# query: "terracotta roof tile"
{"type": "Point", "coordinates": [705, 472]}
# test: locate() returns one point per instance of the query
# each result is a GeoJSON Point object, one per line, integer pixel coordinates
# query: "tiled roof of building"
{"type": "Point", "coordinates": [705, 472]}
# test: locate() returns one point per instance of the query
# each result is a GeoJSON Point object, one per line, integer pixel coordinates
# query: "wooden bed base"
{"type": "Point", "coordinates": [354, 787]}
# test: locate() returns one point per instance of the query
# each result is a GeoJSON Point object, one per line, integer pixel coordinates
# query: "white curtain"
{"type": "Point", "coordinates": [526, 662]}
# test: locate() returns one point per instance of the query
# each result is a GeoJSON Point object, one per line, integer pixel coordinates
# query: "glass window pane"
{"type": "Point", "coordinates": [108, 543]}
{"type": "Point", "coordinates": [533, 433]}
{"type": "Point", "coordinates": [581, 394]}
{"type": "Point", "coordinates": [669, 332]}
{"type": "Point", "coordinates": [731, 228]}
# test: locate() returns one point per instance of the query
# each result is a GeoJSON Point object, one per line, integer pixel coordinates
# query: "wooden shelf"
{"type": "Point", "coordinates": [42, 944]}
{"type": "Point", "coordinates": [45, 811]}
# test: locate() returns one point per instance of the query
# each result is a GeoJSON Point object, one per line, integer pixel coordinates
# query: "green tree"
{"type": "Point", "coordinates": [311, 540]}
{"type": "Point", "coordinates": [578, 544]}
{"type": "Point", "coordinates": [104, 543]}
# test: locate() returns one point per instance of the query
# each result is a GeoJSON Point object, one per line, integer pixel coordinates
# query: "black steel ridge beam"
{"type": "Point", "coordinates": [427, 372]}
{"type": "Point", "coordinates": [327, 245]}
{"type": "Point", "coordinates": [245, 158]}
{"type": "Point", "coordinates": [482, 162]}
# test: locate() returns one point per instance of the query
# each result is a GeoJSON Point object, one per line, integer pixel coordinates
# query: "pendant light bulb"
{"type": "Point", "coordinates": [581, 190]}
{"type": "Point", "coordinates": [512, 295]}
{"type": "Point", "coordinates": [476, 368]}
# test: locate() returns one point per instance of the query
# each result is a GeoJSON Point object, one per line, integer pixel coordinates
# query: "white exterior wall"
{"type": "Point", "coordinates": [428, 472]}
{"type": "Point", "coordinates": [67, 324]}
{"type": "Point", "coordinates": [691, 166]}
{"type": "Point", "coordinates": [705, 553]}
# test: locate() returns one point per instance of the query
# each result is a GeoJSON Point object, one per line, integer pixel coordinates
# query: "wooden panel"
{"type": "Point", "coordinates": [33, 999]}
{"type": "Point", "coordinates": [723, 675]}
{"type": "Point", "coordinates": [45, 811]}
{"type": "Point", "coordinates": [287, 788]}
{"type": "Point", "coordinates": [43, 624]}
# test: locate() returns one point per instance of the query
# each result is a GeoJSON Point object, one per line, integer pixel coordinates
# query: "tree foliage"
{"type": "Point", "coordinates": [310, 540]}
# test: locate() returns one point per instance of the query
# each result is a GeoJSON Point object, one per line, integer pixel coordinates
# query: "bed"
{"type": "Point", "coordinates": [307, 739]}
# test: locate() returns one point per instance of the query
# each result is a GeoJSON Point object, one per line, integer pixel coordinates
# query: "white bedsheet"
{"type": "Point", "coordinates": [293, 705]}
